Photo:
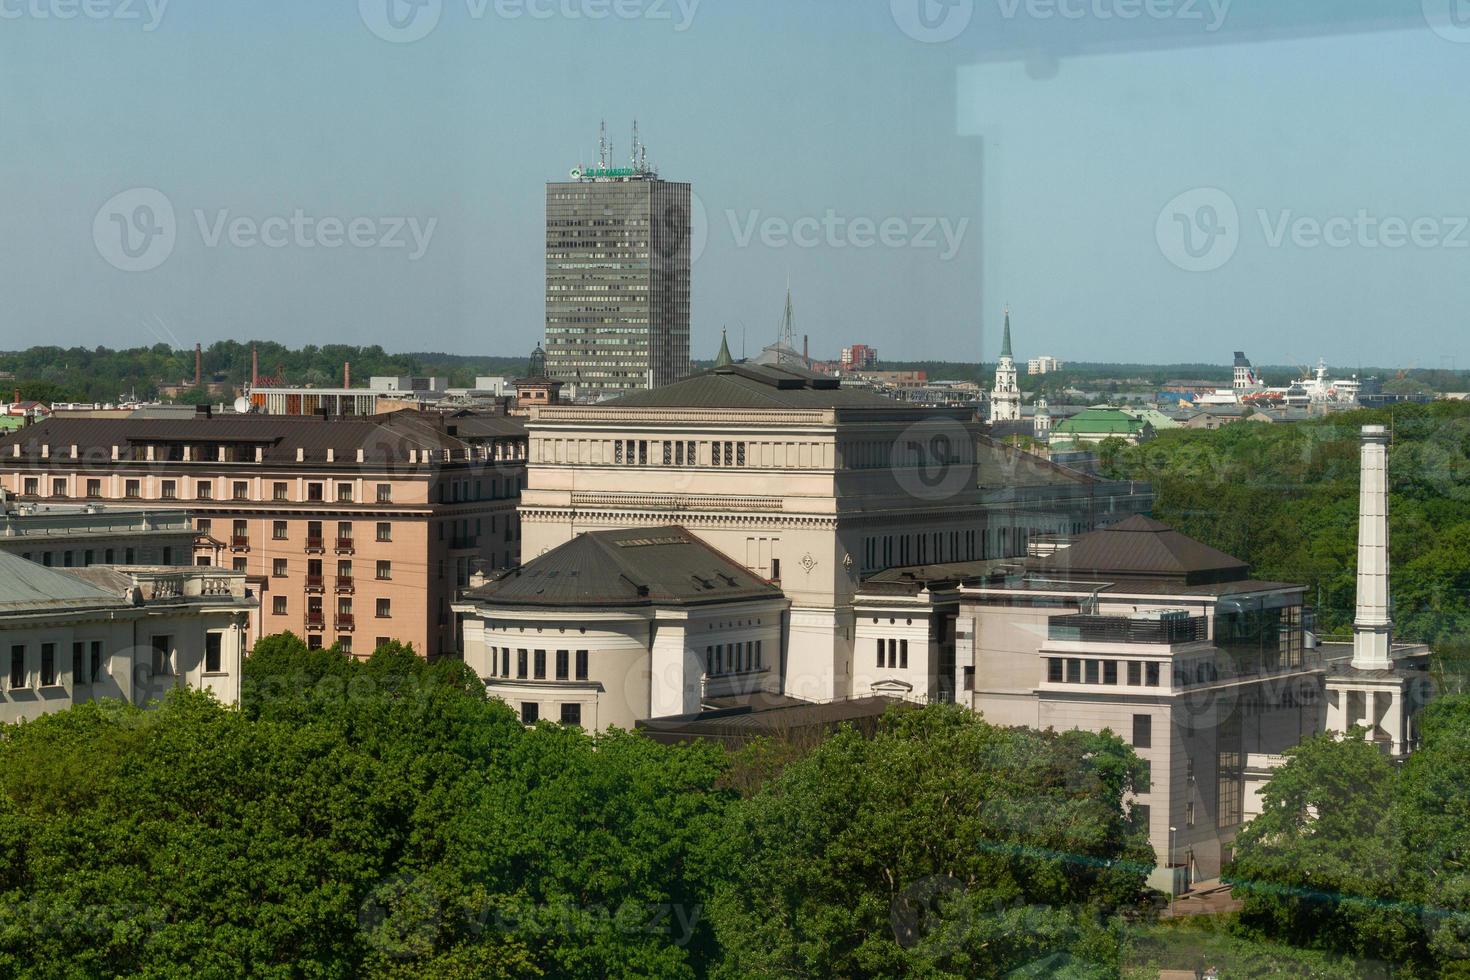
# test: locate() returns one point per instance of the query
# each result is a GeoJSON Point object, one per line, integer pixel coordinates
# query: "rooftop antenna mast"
{"type": "Point", "coordinates": [604, 147]}
{"type": "Point", "coordinates": [787, 337]}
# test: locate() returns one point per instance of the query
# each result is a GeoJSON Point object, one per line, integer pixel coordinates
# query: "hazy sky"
{"type": "Point", "coordinates": [1155, 180]}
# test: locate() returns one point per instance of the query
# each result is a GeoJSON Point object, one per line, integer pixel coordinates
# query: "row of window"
{"type": "Point", "coordinates": [346, 493]}
{"type": "Point", "coordinates": [734, 658]}
{"type": "Point", "coordinates": [902, 550]}
{"type": "Point", "coordinates": [314, 641]}
{"type": "Point", "coordinates": [679, 452]}
{"type": "Point", "coordinates": [383, 609]}
{"type": "Point", "coordinates": [571, 713]}
{"type": "Point", "coordinates": [1140, 673]}
{"type": "Point", "coordinates": [893, 654]}
{"type": "Point", "coordinates": [87, 557]}
{"type": "Point", "coordinates": [88, 662]}
{"type": "Point", "coordinates": [281, 531]}
{"type": "Point", "coordinates": [281, 568]}
{"type": "Point", "coordinates": [531, 664]}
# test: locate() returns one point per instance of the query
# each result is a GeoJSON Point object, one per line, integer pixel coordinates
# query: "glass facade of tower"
{"type": "Point", "coordinates": [617, 283]}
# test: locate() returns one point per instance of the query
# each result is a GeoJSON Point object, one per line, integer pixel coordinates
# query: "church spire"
{"type": "Point", "coordinates": [723, 359]}
{"type": "Point", "coordinates": [1005, 347]}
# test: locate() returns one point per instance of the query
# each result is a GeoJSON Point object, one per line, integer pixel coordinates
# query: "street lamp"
{"type": "Point", "coordinates": [1173, 875]}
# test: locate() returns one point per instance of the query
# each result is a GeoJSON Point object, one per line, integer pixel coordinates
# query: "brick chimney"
{"type": "Point", "coordinates": [198, 365]}
{"type": "Point", "coordinates": [254, 367]}
{"type": "Point", "coordinates": [347, 374]}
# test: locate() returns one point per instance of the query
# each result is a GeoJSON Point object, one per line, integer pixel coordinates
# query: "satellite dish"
{"type": "Point", "coordinates": [242, 405]}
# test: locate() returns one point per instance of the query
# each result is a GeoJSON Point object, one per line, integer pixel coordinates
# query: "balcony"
{"type": "Point", "coordinates": [315, 543]}
{"type": "Point", "coordinates": [239, 542]}
{"type": "Point", "coordinates": [344, 546]}
{"type": "Point", "coordinates": [464, 543]}
{"type": "Point", "coordinates": [344, 583]}
{"type": "Point", "coordinates": [345, 623]}
{"type": "Point", "coordinates": [1126, 629]}
{"type": "Point", "coordinates": [315, 620]}
{"type": "Point", "coordinates": [314, 583]}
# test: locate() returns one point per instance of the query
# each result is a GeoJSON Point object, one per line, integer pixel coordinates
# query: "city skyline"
{"type": "Point", "coordinates": [909, 186]}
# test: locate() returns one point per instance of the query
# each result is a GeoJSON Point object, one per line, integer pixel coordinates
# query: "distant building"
{"type": "Point", "coordinates": [383, 395]}
{"type": "Point", "coordinates": [536, 388]}
{"type": "Point", "coordinates": [859, 357]}
{"type": "Point", "coordinates": [1245, 379]}
{"type": "Point", "coordinates": [1005, 397]}
{"type": "Point", "coordinates": [1046, 364]}
{"type": "Point", "coordinates": [129, 633]}
{"type": "Point", "coordinates": [617, 276]}
{"type": "Point", "coordinates": [1093, 425]}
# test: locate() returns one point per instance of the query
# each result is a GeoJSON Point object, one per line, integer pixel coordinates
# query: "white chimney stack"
{"type": "Point", "coordinates": [1373, 627]}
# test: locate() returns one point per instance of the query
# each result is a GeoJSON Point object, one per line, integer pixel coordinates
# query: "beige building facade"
{"type": "Point", "coordinates": [806, 484]}
{"type": "Point", "coordinates": [352, 531]}
{"type": "Point", "coordinates": [123, 633]}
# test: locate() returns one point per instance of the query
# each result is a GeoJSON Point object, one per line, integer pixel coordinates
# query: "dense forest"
{"type": "Point", "coordinates": [1285, 498]}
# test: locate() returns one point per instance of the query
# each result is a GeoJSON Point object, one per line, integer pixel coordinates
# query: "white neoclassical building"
{"type": "Point", "coordinates": [129, 633]}
{"type": "Point", "coordinates": [806, 484]}
{"type": "Point", "coordinates": [615, 627]}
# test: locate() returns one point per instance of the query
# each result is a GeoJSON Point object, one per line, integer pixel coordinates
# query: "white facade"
{"type": "Point", "coordinates": [175, 627]}
{"type": "Point", "coordinates": [615, 667]}
{"type": "Point", "coordinates": [1045, 364]}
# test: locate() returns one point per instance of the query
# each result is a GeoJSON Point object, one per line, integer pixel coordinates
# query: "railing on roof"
{"type": "Point", "coordinates": [1125, 629]}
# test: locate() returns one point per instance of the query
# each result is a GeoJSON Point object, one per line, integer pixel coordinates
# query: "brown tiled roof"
{"type": "Point", "coordinates": [1143, 548]}
{"type": "Point", "coordinates": [636, 567]}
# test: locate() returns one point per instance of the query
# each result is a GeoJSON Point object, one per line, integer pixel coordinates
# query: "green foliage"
{"type": "Point", "coordinates": [1352, 856]}
{"type": "Point", "coordinates": [385, 818]}
{"type": "Point", "coordinates": [1201, 942]}
{"type": "Point", "coordinates": [943, 846]}
{"type": "Point", "coordinates": [1285, 499]}
{"type": "Point", "coordinates": [382, 818]}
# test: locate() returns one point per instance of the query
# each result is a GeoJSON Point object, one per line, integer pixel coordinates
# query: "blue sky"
{"type": "Point", "coordinates": [910, 175]}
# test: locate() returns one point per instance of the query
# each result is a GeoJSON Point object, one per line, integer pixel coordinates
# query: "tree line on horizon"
{"type": "Point", "coordinates": [78, 374]}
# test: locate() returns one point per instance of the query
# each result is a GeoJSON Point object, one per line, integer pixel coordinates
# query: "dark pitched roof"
{"type": "Point", "coordinates": [383, 438]}
{"type": "Point", "coordinates": [633, 567]}
{"type": "Point", "coordinates": [747, 385]}
{"type": "Point", "coordinates": [1143, 548]}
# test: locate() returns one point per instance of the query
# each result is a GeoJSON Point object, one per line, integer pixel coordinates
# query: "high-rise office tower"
{"type": "Point", "coordinates": [617, 275]}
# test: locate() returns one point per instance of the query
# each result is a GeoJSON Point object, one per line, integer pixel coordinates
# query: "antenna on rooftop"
{"type": "Point", "coordinates": [604, 147]}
